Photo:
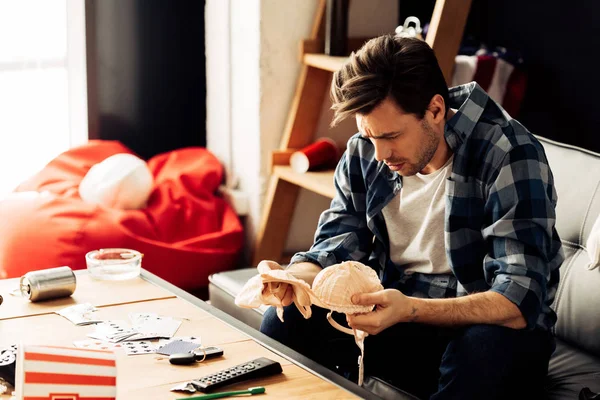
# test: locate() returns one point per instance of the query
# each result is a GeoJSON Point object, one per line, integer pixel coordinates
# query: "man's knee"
{"type": "Point", "coordinates": [492, 359]}
{"type": "Point", "coordinates": [494, 339]}
{"type": "Point", "coordinates": [271, 325]}
{"type": "Point", "coordinates": [282, 331]}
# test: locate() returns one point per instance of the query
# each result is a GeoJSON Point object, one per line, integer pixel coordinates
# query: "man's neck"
{"type": "Point", "coordinates": [439, 159]}
{"type": "Point", "coordinates": [443, 151]}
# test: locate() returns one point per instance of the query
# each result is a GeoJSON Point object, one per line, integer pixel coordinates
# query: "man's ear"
{"type": "Point", "coordinates": [437, 108]}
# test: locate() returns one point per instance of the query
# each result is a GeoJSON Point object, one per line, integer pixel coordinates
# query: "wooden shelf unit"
{"type": "Point", "coordinates": [319, 182]}
{"type": "Point", "coordinates": [324, 62]}
{"type": "Point", "coordinates": [444, 35]}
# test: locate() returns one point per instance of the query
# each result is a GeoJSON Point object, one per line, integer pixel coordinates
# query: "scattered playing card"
{"type": "Point", "coordinates": [138, 347]}
{"type": "Point", "coordinates": [195, 339]}
{"type": "Point", "coordinates": [139, 318]}
{"type": "Point", "coordinates": [79, 314]}
{"type": "Point", "coordinates": [177, 346]}
{"type": "Point", "coordinates": [144, 326]}
{"type": "Point", "coordinates": [96, 344]}
{"type": "Point", "coordinates": [161, 327]}
{"type": "Point", "coordinates": [150, 326]}
{"type": "Point", "coordinates": [113, 331]}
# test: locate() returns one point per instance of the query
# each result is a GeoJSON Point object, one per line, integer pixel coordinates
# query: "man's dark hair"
{"type": "Point", "coordinates": [403, 68]}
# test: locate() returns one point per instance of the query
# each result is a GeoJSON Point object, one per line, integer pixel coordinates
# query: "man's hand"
{"type": "Point", "coordinates": [391, 307]}
{"type": "Point", "coordinates": [305, 271]}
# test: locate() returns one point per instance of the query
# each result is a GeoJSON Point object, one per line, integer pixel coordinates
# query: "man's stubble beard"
{"type": "Point", "coordinates": [430, 144]}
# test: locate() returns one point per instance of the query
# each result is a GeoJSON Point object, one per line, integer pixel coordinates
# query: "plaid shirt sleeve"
{"type": "Point", "coordinates": [523, 245]}
{"type": "Point", "coordinates": [342, 233]}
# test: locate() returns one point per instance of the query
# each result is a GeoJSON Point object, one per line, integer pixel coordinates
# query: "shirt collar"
{"type": "Point", "coordinates": [470, 101]}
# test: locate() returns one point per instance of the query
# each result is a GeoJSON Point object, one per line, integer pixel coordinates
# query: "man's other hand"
{"type": "Point", "coordinates": [391, 307]}
{"type": "Point", "coordinates": [285, 292]}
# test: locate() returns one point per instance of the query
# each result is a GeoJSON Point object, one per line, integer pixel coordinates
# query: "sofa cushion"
{"type": "Point", "coordinates": [577, 178]}
{"type": "Point", "coordinates": [577, 301]}
{"type": "Point", "coordinates": [570, 371]}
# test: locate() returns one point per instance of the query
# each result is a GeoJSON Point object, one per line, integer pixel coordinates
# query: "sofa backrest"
{"type": "Point", "coordinates": [577, 178]}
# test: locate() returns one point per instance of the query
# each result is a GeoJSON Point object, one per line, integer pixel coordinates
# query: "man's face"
{"type": "Point", "coordinates": [405, 143]}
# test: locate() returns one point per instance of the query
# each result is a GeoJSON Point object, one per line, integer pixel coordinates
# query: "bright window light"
{"type": "Point", "coordinates": [35, 123]}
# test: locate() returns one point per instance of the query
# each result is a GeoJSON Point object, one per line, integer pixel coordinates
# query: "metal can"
{"type": "Point", "coordinates": [47, 284]}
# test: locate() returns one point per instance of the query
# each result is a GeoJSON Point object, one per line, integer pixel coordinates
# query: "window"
{"type": "Point", "coordinates": [43, 109]}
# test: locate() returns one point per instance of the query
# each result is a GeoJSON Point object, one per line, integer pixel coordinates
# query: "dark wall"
{"type": "Point", "coordinates": [146, 73]}
{"type": "Point", "coordinates": [557, 40]}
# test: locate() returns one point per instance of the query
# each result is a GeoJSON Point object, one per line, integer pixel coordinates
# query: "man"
{"type": "Point", "coordinates": [453, 203]}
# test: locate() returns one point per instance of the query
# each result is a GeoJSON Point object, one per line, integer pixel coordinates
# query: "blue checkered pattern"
{"type": "Point", "coordinates": [500, 213]}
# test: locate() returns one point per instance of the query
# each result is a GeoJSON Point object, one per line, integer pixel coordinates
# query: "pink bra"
{"type": "Point", "coordinates": [332, 288]}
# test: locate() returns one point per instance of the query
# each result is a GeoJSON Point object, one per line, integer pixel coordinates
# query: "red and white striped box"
{"type": "Point", "coordinates": [65, 373]}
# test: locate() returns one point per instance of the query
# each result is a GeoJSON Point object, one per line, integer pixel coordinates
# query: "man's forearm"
{"type": "Point", "coordinates": [305, 271]}
{"type": "Point", "coordinates": [479, 308]}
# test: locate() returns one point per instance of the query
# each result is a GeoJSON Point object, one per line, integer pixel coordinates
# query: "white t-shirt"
{"type": "Point", "coordinates": [415, 222]}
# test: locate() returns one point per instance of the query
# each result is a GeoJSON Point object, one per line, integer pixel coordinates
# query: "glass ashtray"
{"type": "Point", "coordinates": [114, 264]}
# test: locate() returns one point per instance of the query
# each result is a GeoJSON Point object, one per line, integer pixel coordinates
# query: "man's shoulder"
{"type": "Point", "coordinates": [360, 152]}
{"type": "Point", "coordinates": [357, 143]}
{"type": "Point", "coordinates": [496, 141]}
{"type": "Point", "coordinates": [358, 168]}
{"type": "Point", "coordinates": [503, 136]}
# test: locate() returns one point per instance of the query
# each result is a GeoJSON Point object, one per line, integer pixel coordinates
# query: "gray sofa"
{"type": "Point", "coordinates": [576, 361]}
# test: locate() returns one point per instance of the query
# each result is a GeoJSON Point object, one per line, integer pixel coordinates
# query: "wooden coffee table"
{"type": "Point", "coordinates": [151, 376]}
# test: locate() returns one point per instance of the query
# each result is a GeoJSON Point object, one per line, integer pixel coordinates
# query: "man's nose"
{"type": "Point", "coordinates": [381, 152]}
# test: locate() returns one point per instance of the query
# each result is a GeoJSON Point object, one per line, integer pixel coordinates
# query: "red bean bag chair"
{"type": "Point", "coordinates": [186, 232]}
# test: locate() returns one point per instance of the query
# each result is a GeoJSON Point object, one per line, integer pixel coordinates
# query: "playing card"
{"type": "Point", "coordinates": [195, 339]}
{"type": "Point", "coordinates": [151, 326]}
{"type": "Point", "coordinates": [138, 347]}
{"type": "Point", "coordinates": [139, 318]}
{"type": "Point", "coordinates": [79, 314]}
{"type": "Point", "coordinates": [95, 344]}
{"type": "Point", "coordinates": [113, 331]}
{"type": "Point", "coordinates": [177, 346]}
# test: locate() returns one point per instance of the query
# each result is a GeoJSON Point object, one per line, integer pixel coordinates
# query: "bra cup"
{"type": "Point", "coordinates": [336, 284]}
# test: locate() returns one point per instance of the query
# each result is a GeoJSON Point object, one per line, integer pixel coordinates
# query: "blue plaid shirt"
{"type": "Point", "coordinates": [500, 213]}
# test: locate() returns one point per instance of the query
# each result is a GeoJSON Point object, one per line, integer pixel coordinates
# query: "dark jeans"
{"type": "Point", "coordinates": [475, 362]}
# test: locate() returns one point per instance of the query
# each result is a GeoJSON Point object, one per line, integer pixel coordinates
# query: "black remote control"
{"type": "Point", "coordinates": [259, 368]}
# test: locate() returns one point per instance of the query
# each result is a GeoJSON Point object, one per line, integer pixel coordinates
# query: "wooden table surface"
{"type": "Point", "coordinates": [150, 376]}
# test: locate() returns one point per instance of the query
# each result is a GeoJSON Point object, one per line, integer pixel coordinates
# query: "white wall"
{"type": "Point", "coordinates": [252, 70]}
